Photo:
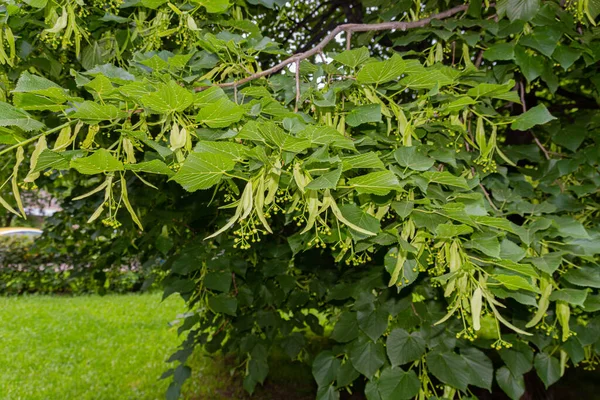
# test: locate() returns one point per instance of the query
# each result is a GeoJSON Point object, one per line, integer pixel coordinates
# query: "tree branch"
{"type": "Point", "coordinates": [348, 28]}
{"type": "Point", "coordinates": [297, 86]}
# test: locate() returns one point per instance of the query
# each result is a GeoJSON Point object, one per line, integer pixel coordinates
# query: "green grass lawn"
{"type": "Point", "coordinates": [88, 347]}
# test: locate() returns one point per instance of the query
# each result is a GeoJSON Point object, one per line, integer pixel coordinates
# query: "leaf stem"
{"type": "Point", "coordinates": [34, 138]}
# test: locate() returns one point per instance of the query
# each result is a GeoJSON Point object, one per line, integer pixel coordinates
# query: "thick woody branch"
{"type": "Point", "coordinates": [348, 29]}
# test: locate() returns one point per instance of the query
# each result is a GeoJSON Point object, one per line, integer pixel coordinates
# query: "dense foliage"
{"type": "Point", "coordinates": [426, 200]}
{"type": "Point", "coordinates": [30, 267]}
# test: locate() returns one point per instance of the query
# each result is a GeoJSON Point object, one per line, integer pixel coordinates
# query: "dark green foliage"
{"type": "Point", "coordinates": [424, 208]}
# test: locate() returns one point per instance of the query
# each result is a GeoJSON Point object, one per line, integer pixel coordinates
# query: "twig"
{"type": "Point", "coordinates": [297, 85]}
{"type": "Point", "coordinates": [235, 289]}
{"type": "Point", "coordinates": [36, 137]}
{"type": "Point", "coordinates": [323, 60]}
{"type": "Point", "coordinates": [489, 199]}
{"type": "Point", "coordinates": [412, 305]}
{"type": "Point", "coordinates": [535, 139]}
{"type": "Point", "coordinates": [467, 147]}
{"type": "Point", "coordinates": [383, 26]}
{"type": "Point", "coordinates": [541, 146]}
{"type": "Point", "coordinates": [453, 51]}
{"type": "Point", "coordinates": [479, 59]}
{"type": "Point", "coordinates": [522, 95]}
{"type": "Point", "coordinates": [348, 40]}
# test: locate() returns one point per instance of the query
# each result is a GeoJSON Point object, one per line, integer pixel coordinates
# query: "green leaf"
{"type": "Point", "coordinates": [524, 269]}
{"type": "Point", "coordinates": [174, 390]}
{"type": "Point", "coordinates": [368, 160]}
{"type": "Point", "coordinates": [547, 368]}
{"type": "Point", "coordinates": [367, 357]}
{"type": "Point", "coordinates": [154, 4]}
{"type": "Point", "coordinates": [293, 344]}
{"type": "Point", "coordinates": [569, 227]}
{"type": "Point", "coordinates": [135, 90]}
{"type": "Point", "coordinates": [403, 272]}
{"type": "Point", "coordinates": [446, 178]}
{"type": "Point", "coordinates": [11, 116]}
{"type": "Point", "coordinates": [346, 374]}
{"type": "Point", "coordinates": [409, 157]}
{"type": "Point", "coordinates": [428, 79]}
{"type": "Point", "coordinates": [379, 183]}
{"type": "Point", "coordinates": [449, 230]}
{"type": "Point", "coordinates": [358, 217]}
{"type": "Point", "coordinates": [514, 282]}
{"type": "Point", "coordinates": [327, 392]}
{"type": "Point", "coordinates": [397, 384]}
{"type": "Point", "coordinates": [480, 367]}
{"type": "Point", "coordinates": [537, 115]}
{"type": "Point", "coordinates": [209, 96]}
{"type": "Point", "coordinates": [494, 222]}
{"type": "Point", "coordinates": [346, 328]}
{"type": "Point", "coordinates": [593, 9]}
{"type": "Point", "coordinates": [203, 170]}
{"type": "Point", "coordinates": [326, 136]}
{"type": "Point", "coordinates": [531, 65]}
{"type": "Point", "coordinates": [234, 151]}
{"type": "Point", "coordinates": [373, 322]}
{"type": "Point", "coordinates": [169, 98]}
{"type": "Point", "coordinates": [588, 276]}
{"type": "Point", "coordinates": [31, 102]}
{"type": "Point", "coordinates": [513, 386]}
{"type": "Point", "coordinates": [403, 347]}
{"type": "Point", "coordinates": [460, 103]}
{"type": "Point", "coordinates": [403, 208]}
{"type": "Point", "coordinates": [328, 180]}
{"type": "Point", "coordinates": [363, 114]}
{"type": "Point", "coordinates": [518, 359]}
{"type": "Point", "coordinates": [151, 167]}
{"type": "Point", "coordinates": [353, 58]}
{"type": "Point", "coordinates": [576, 297]}
{"type": "Point", "coordinates": [36, 3]}
{"type": "Point", "coordinates": [566, 56]}
{"type": "Point", "coordinates": [49, 159]}
{"type": "Point", "coordinates": [156, 63]}
{"type": "Point", "coordinates": [100, 162]}
{"type": "Point", "coordinates": [218, 280]}
{"type": "Point", "coordinates": [449, 368]}
{"type": "Point", "coordinates": [29, 83]}
{"type": "Point", "coordinates": [100, 84]}
{"type": "Point", "coordinates": [92, 112]}
{"type": "Point", "coordinates": [268, 132]}
{"type": "Point", "coordinates": [511, 251]}
{"type": "Point", "coordinates": [523, 10]}
{"type": "Point", "coordinates": [371, 390]}
{"type": "Point", "coordinates": [214, 6]}
{"type": "Point", "coordinates": [500, 51]}
{"type": "Point", "coordinates": [548, 263]}
{"type": "Point", "coordinates": [325, 367]}
{"type": "Point", "coordinates": [544, 39]}
{"type": "Point", "coordinates": [382, 71]}
{"type": "Point", "coordinates": [430, 220]}
{"type": "Point", "coordinates": [491, 89]}
{"type": "Point", "coordinates": [223, 304]}
{"type": "Point", "coordinates": [592, 303]}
